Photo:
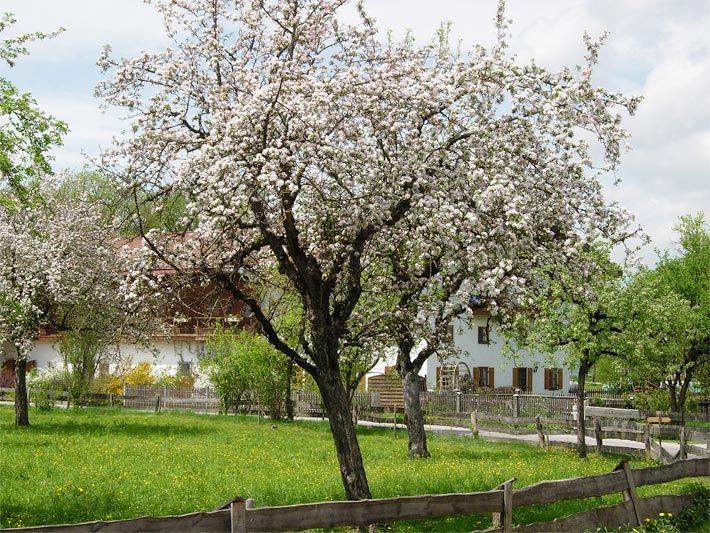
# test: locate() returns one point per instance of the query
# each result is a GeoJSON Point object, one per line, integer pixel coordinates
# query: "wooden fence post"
{"type": "Point", "coordinates": [516, 405]}
{"type": "Point", "coordinates": [238, 515]}
{"type": "Point", "coordinates": [110, 399]}
{"type": "Point", "coordinates": [540, 434]}
{"type": "Point", "coordinates": [508, 507]}
{"type": "Point", "coordinates": [458, 401]}
{"type": "Point", "coordinates": [506, 514]}
{"type": "Point", "coordinates": [157, 403]}
{"type": "Point", "coordinates": [630, 492]}
{"type": "Point", "coordinates": [394, 421]}
{"type": "Point", "coordinates": [647, 440]}
{"type": "Point", "coordinates": [474, 424]}
{"type": "Point", "coordinates": [683, 452]}
{"type": "Point", "coordinates": [598, 433]}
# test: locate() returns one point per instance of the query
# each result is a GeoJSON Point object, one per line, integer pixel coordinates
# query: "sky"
{"type": "Point", "coordinates": [659, 49]}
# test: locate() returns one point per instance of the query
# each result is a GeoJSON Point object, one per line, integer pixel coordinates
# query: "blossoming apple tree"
{"type": "Point", "coordinates": [60, 267]}
{"type": "Point", "coordinates": [305, 143]}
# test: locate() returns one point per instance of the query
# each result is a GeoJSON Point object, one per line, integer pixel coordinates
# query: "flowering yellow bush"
{"type": "Point", "coordinates": [140, 374]}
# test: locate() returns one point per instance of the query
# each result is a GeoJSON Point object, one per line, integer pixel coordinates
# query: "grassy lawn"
{"type": "Point", "coordinates": [73, 466]}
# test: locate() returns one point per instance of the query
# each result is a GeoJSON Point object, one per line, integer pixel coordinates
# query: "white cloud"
{"type": "Point", "coordinates": [129, 25]}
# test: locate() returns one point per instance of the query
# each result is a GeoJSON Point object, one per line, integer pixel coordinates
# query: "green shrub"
{"type": "Point", "coordinates": [46, 387]}
{"type": "Point", "coordinates": [597, 401]}
{"type": "Point", "coordinates": [242, 365]}
{"type": "Point", "coordinates": [697, 514]}
{"type": "Point", "coordinates": [655, 400]}
{"type": "Point", "coordinates": [179, 380]}
{"type": "Point", "coordinates": [659, 400]}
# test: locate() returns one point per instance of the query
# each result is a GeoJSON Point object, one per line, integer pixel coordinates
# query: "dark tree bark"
{"type": "Point", "coordinates": [683, 395]}
{"type": "Point", "coordinates": [672, 395]}
{"type": "Point", "coordinates": [337, 405]}
{"type": "Point", "coordinates": [415, 417]}
{"type": "Point", "coordinates": [584, 367]}
{"type": "Point", "coordinates": [289, 401]}
{"type": "Point", "coordinates": [21, 400]}
{"type": "Point", "coordinates": [409, 372]}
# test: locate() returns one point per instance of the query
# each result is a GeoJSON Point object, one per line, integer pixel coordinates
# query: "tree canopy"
{"type": "Point", "coordinates": [306, 143]}
{"type": "Point", "coordinates": [27, 134]}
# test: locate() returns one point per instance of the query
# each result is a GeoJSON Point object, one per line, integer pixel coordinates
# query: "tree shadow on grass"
{"type": "Point", "coordinates": [148, 428]}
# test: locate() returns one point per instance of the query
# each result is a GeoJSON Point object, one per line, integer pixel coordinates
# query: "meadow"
{"type": "Point", "coordinates": [91, 464]}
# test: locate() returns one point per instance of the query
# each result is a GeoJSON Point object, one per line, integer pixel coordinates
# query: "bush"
{"type": "Point", "coordinates": [597, 401]}
{"type": "Point", "coordinates": [140, 374]}
{"type": "Point", "coordinates": [659, 400]}
{"type": "Point", "coordinates": [244, 366]}
{"type": "Point", "coordinates": [178, 381]}
{"type": "Point", "coordinates": [46, 387]}
{"type": "Point", "coordinates": [655, 400]}
{"type": "Point", "coordinates": [82, 352]}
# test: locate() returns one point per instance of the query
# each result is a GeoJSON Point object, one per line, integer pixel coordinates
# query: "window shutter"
{"type": "Point", "coordinates": [491, 378]}
{"type": "Point", "coordinates": [530, 378]}
{"type": "Point", "coordinates": [438, 377]}
{"type": "Point", "coordinates": [477, 376]}
{"type": "Point", "coordinates": [559, 378]}
{"type": "Point", "coordinates": [516, 382]}
{"type": "Point", "coordinates": [548, 379]}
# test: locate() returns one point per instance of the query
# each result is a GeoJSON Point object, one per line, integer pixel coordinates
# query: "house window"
{"type": "Point", "coordinates": [523, 378]}
{"type": "Point", "coordinates": [483, 335]}
{"type": "Point", "coordinates": [184, 368]}
{"type": "Point", "coordinates": [483, 377]}
{"type": "Point", "coordinates": [553, 378]}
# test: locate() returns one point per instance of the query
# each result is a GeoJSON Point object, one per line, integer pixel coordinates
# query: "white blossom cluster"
{"type": "Point", "coordinates": [360, 168]}
{"type": "Point", "coordinates": [60, 267]}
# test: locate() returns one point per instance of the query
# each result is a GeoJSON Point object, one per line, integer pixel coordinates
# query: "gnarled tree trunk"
{"type": "Point", "coordinates": [289, 401]}
{"type": "Point", "coordinates": [337, 406]}
{"type": "Point", "coordinates": [21, 400]}
{"type": "Point", "coordinates": [415, 417]}
{"type": "Point", "coordinates": [584, 367]}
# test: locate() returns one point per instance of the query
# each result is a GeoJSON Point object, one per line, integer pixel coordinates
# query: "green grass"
{"type": "Point", "coordinates": [92, 464]}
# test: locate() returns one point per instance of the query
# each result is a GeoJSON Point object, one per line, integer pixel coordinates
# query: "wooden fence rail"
{"type": "Point", "coordinates": [240, 517]}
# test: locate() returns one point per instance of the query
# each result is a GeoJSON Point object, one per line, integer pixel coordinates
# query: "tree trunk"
{"type": "Point", "coordinates": [21, 400]}
{"type": "Point", "coordinates": [584, 367]}
{"type": "Point", "coordinates": [414, 415]}
{"type": "Point", "coordinates": [673, 395]}
{"type": "Point", "coordinates": [335, 401]}
{"type": "Point", "coordinates": [682, 396]}
{"type": "Point", "coordinates": [289, 401]}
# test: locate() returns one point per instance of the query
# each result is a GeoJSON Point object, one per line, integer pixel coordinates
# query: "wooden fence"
{"type": "Point", "coordinates": [239, 515]}
{"type": "Point", "coordinates": [206, 399]}
{"type": "Point", "coordinates": [651, 431]}
{"type": "Point", "coordinates": [558, 407]}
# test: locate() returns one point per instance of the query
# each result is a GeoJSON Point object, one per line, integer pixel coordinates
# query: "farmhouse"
{"type": "Point", "coordinates": [482, 366]}
{"type": "Point", "coordinates": [192, 314]}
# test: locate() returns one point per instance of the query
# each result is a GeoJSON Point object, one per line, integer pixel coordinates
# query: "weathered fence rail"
{"type": "Point", "coordinates": [240, 517]}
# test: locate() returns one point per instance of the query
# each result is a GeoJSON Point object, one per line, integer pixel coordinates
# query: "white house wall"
{"type": "Point", "coordinates": [165, 355]}
{"type": "Point", "coordinates": [491, 355]}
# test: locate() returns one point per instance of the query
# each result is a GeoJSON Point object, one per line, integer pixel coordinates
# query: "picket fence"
{"type": "Point", "coordinates": [240, 515]}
